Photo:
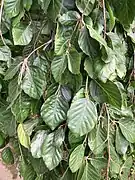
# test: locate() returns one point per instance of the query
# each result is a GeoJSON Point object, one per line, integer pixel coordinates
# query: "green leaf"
{"type": "Point", "coordinates": [69, 18]}
{"type": "Point", "coordinates": [121, 143]}
{"type": "Point", "coordinates": [127, 127]}
{"type": "Point", "coordinates": [88, 66]}
{"type": "Point", "coordinates": [22, 34]}
{"type": "Point", "coordinates": [88, 45]}
{"type": "Point", "coordinates": [51, 149]}
{"type": "Point", "coordinates": [90, 173]}
{"type": "Point", "coordinates": [54, 111]}
{"type": "Point", "coordinates": [34, 82]}
{"type": "Point", "coordinates": [27, 4]}
{"type": "Point", "coordinates": [30, 125]}
{"type": "Point", "coordinates": [85, 6]}
{"type": "Point", "coordinates": [76, 158]}
{"type": "Point", "coordinates": [7, 122]}
{"type": "Point", "coordinates": [58, 66]}
{"type": "Point", "coordinates": [99, 163]}
{"type": "Point", "coordinates": [12, 70]}
{"type": "Point", "coordinates": [37, 143]}
{"type": "Point", "coordinates": [54, 9]}
{"type": "Point", "coordinates": [82, 116]}
{"type": "Point", "coordinates": [124, 11]}
{"type": "Point", "coordinates": [5, 53]}
{"type": "Point", "coordinates": [12, 7]}
{"type": "Point", "coordinates": [125, 169]}
{"type": "Point", "coordinates": [74, 139]}
{"type": "Point", "coordinates": [111, 93]}
{"type": "Point", "coordinates": [97, 140]}
{"type": "Point", "coordinates": [74, 61]}
{"type": "Point", "coordinates": [23, 136]}
{"type": "Point", "coordinates": [21, 108]}
{"type": "Point", "coordinates": [44, 4]}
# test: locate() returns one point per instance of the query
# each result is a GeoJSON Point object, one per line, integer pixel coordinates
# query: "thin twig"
{"type": "Point", "coordinates": [104, 12]}
{"type": "Point", "coordinates": [108, 145]}
{"type": "Point", "coordinates": [1, 11]}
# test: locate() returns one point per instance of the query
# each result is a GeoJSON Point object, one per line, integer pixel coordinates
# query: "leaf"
{"type": "Point", "coordinates": [74, 61]}
{"type": "Point", "coordinates": [44, 4]}
{"type": "Point", "coordinates": [7, 122]}
{"type": "Point", "coordinates": [30, 125]}
{"type": "Point", "coordinates": [34, 82]}
{"type": "Point", "coordinates": [5, 54]}
{"type": "Point", "coordinates": [82, 116]}
{"type": "Point", "coordinates": [66, 93]}
{"type": "Point", "coordinates": [88, 45]}
{"type": "Point", "coordinates": [12, 70]}
{"type": "Point", "coordinates": [127, 127]}
{"type": "Point", "coordinates": [90, 173]}
{"type": "Point", "coordinates": [22, 34]}
{"type": "Point", "coordinates": [85, 6]}
{"type": "Point", "coordinates": [88, 66]}
{"type": "Point", "coordinates": [37, 143]}
{"type": "Point", "coordinates": [121, 143]}
{"type": "Point", "coordinates": [69, 18]}
{"type": "Point", "coordinates": [58, 66]}
{"type": "Point", "coordinates": [12, 7]}
{"type": "Point", "coordinates": [74, 139]}
{"type": "Point", "coordinates": [27, 4]}
{"type": "Point", "coordinates": [97, 140]}
{"type": "Point", "coordinates": [99, 163]}
{"type": "Point", "coordinates": [21, 108]}
{"type": "Point", "coordinates": [112, 93]}
{"type": "Point", "coordinates": [124, 11]}
{"type": "Point", "coordinates": [51, 149]}
{"type": "Point", "coordinates": [23, 136]}
{"type": "Point", "coordinates": [54, 9]}
{"type": "Point", "coordinates": [125, 169]}
{"type": "Point", "coordinates": [54, 111]}
{"type": "Point", "coordinates": [76, 158]}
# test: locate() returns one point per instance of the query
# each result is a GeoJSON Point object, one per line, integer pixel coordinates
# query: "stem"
{"type": "Point", "coordinates": [86, 87]}
{"type": "Point", "coordinates": [104, 12]}
{"type": "Point", "coordinates": [1, 10]}
{"type": "Point", "coordinates": [108, 144]}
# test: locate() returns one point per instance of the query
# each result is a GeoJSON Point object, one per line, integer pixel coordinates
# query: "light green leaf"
{"type": "Point", "coordinates": [12, 7]}
{"type": "Point", "coordinates": [37, 143]}
{"type": "Point", "coordinates": [76, 158]}
{"type": "Point", "coordinates": [22, 34]}
{"type": "Point", "coordinates": [5, 53]}
{"type": "Point", "coordinates": [88, 66]}
{"type": "Point", "coordinates": [121, 143]}
{"type": "Point", "coordinates": [82, 116]}
{"type": "Point", "coordinates": [74, 61]}
{"type": "Point", "coordinates": [34, 82]}
{"type": "Point", "coordinates": [51, 149]}
{"type": "Point", "coordinates": [85, 6]}
{"type": "Point", "coordinates": [27, 4]}
{"type": "Point", "coordinates": [125, 169]}
{"type": "Point", "coordinates": [21, 108]}
{"type": "Point", "coordinates": [127, 127]}
{"type": "Point", "coordinates": [124, 11]}
{"type": "Point", "coordinates": [23, 136]}
{"type": "Point", "coordinates": [7, 122]}
{"type": "Point", "coordinates": [69, 18]}
{"type": "Point", "coordinates": [99, 163]}
{"type": "Point", "coordinates": [97, 140]}
{"type": "Point", "coordinates": [88, 45]}
{"type": "Point", "coordinates": [58, 66]}
{"type": "Point", "coordinates": [90, 173]}
{"type": "Point", "coordinates": [30, 125]}
{"type": "Point", "coordinates": [54, 111]}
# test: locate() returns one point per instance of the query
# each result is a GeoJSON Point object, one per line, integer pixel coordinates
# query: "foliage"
{"type": "Point", "coordinates": [67, 82]}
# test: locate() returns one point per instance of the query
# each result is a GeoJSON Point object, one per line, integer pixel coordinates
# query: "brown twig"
{"type": "Point", "coordinates": [104, 12]}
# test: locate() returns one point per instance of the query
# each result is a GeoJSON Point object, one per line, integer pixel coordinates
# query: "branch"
{"type": "Point", "coordinates": [104, 12]}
